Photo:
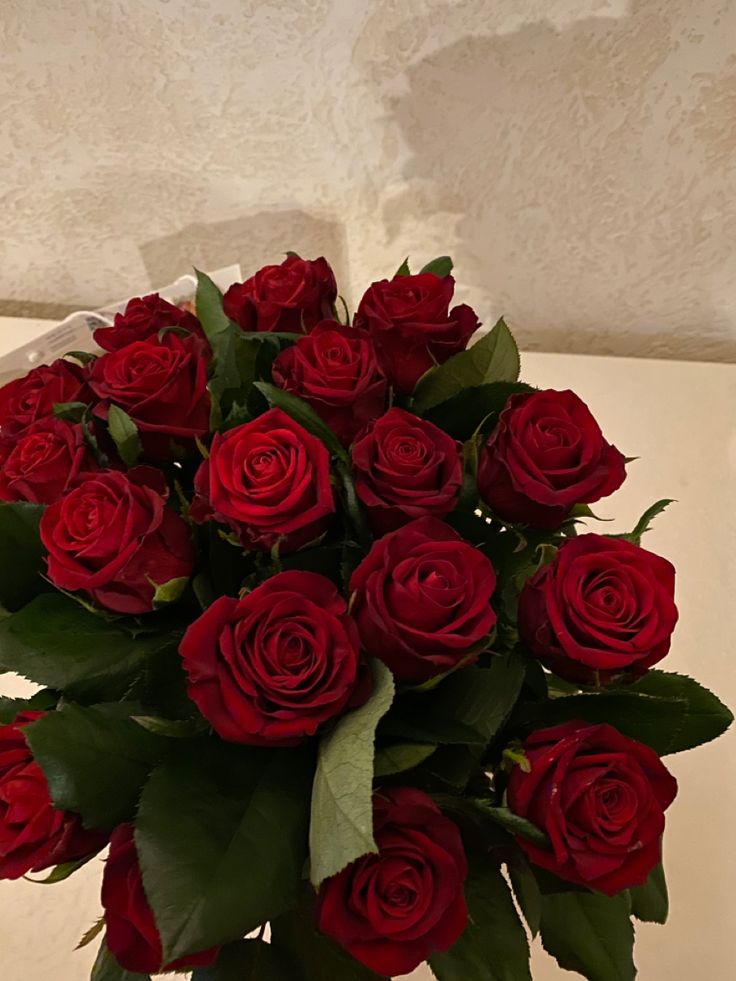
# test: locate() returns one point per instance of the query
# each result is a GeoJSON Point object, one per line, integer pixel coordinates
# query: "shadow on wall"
{"type": "Point", "coordinates": [592, 170]}
{"type": "Point", "coordinates": [252, 240]}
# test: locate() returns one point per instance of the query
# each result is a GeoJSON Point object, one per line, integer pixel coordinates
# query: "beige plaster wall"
{"type": "Point", "coordinates": [577, 157]}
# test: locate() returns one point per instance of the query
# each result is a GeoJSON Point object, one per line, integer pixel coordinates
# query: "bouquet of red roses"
{"type": "Point", "coordinates": [322, 648]}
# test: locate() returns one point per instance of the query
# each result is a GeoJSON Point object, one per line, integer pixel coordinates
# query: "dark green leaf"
{"type": "Point", "coordinates": [650, 902]}
{"type": "Point", "coordinates": [527, 892]}
{"type": "Point", "coordinates": [83, 357]}
{"type": "Point", "coordinates": [352, 505]}
{"type": "Point", "coordinates": [95, 761]}
{"type": "Point", "coordinates": [314, 956]}
{"type": "Point", "coordinates": [589, 933]}
{"type": "Point", "coordinates": [42, 701]}
{"type": "Point", "coordinates": [493, 358]}
{"type": "Point", "coordinates": [221, 822]}
{"type": "Point", "coordinates": [403, 269]}
{"type": "Point", "coordinates": [61, 872]}
{"type": "Point", "coordinates": [643, 525]}
{"type": "Point", "coordinates": [440, 732]}
{"type": "Point", "coordinates": [304, 414]}
{"type": "Point", "coordinates": [94, 931]}
{"type": "Point", "coordinates": [401, 757]}
{"type": "Point", "coordinates": [493, 946]}
{"type": "Point", "coordinates": [169, 592]}
{"type": "Point", "coordinates": [106, 968]}
{"type": "Point", "coordinates": [248, 960]}
{"type": "Point", "coordinates": [475, 407]}
{"type": "Point", "coordinates": [74, 411]}
{"type": "Point", "coordinates": [20, 579]}
{"type": "Point", "coordinates": [441, 266]}
{"type": "Point", "coordinates": [341, 826]}
{"type": "Point", "coordinates": [124, 434]}
{"type": "Point", "coordinates": [513, 823]}
{"type": "Point", "coordinates": [172, 728]}
{"type": "Point", "coordinates": [54, 641]}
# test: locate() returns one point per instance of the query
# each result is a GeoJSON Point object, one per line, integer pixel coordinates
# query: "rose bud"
{"type": "Point", "coordinates": [406, 467]}
{"type": "Point", "coordinates": [144, 317]}
{"type": "Point", "coordinates": [113, 537]}
{"type": "Point", "coordinates": [24, 401]}
{"type": "Point", "coordinates": [162, 385]}
{"type": "Point", "coordinates": [269, 481]}
{"type": "Point", "coordinates": [392, 910]}
{"type": "Point", "coordinates": [334, 369]}
{"type": "Point", "coordinates": [291, 297]}
{"type": "Point", "coordinates": [413, 328]}
{"type": "Point", "coordinates": [271, 667]}
{"type": "Point", "coordinates": [41, 462]}
{"type": "Point", "coordinates": [602, 610]}
{"type": "Point", "coordinates": [34, 835]}
{"type": "Point", "coordinates": [546, 454]}
{"type": "Point", "coordinates": [600, 797]}
{"type": "Point", "coordinates": [131, 933]}
{"type": "Point", "coordinates": [422, 600]}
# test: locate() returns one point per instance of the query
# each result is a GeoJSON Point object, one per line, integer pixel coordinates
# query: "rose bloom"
{"type": "Point", "coordinates": [131, 933]}
{"type": "Point", "coordinates": [24, 401]}
{"type": "Point", "coordinates": [335, 370]}
{"type": "Point", "coordinates": [162, 385]}
{"type": "Point", "coordinates": [291, 297]}
{"type": "Point", "coordinates": [144, 317]}
{"type": "Point", "coordinates": [34, 835]}
{"type": "Point", "coordinates": [602, 610]}
{"type": "Point", "coordinates": [600, 797]}
{"type": "Point", "coordinates": [39, 464]}
{"type": "Point", "coordinates": [113, 536]}
{"type": "Point", "coordinates": [392, 910]}
{"type": "Point", "coordinates": [410, 320]}
{"type": "Point", "coordinates": [269, 480]}
{"type": "Point", "coordinates": [422, 600]}
{"type": "Point", "coordinates": [406, 467]}
{"type": "Point", "coordinates": [271, 667]}
{"type": "Point", "coordinates": [546, 454]}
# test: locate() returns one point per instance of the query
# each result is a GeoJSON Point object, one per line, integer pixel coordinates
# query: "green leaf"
{"type": "Point", "coordinates": [439, 732]}
{"type": "Point", "coordinates": [493, 358]}
{"type": "Point", "coordinates": [352, 505]}
{"type": "Point", "coordinates": [95, 761]}
{"type": "Point", "coordinates": [74, 411]}
{"type": "Point", "coordinates": [341, 828]}
{"type": "Point", "coordinates": [475, 407]}
{"type": "Point", "coordinates": [20, 579]}
{"type": "Point", "coordinates": [106, 968]}
{"type": "Point", "coordinates": [248, 960]}
{"type": "Point", "coordinates": [42, 701]}
{"type": "Point", "coordinates": [169, 592]}
{"type": "Point", "coordinates": [527, 892]}
{"type": "Point", "coordinates": [172, 728]}
{"type": "Point", "coordinates": [650, 901]}
{"type": "Point", "coordinates": [315, 957]}
{"type": "Point", "coordinates": [83, 357]}
{"type": "Point", "coordinates": [589, 933]}
{"type": "Point", "coordinates": [441, 266]}
{"type": "Point", "coordinates": [94, 931]}
{"type": "Point", "coordinates": [401, 757]}
{"type": "Point", "coordinates": [403, 269]}
{"type": "Point", "coordinates": [124, 434]}
{"type": "Point", "coordinates": [219, 822]}
{"type": "Point", "coordinates": [669, 712]}
{"type": "Point", "coordinates": [54, 641]}
{"type": "Point", "coordinates": [513, 823]}
{"type": "Point", "coordinates": [643, 525]}
{"type": "Point", "coordinates": [61, 872]}
{"type": "Point", "coordinates": [493, 946]}
{"type": "Point", "coordinates": [304, 414]}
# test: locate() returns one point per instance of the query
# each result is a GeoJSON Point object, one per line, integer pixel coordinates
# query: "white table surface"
{"type": "Point", "coordinates": [680, 419]}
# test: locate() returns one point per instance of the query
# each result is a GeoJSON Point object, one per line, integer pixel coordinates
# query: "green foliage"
{"type": "Point", "coordinates": [513, 823]}
{"type": "Point", "coordinates": [95, 761]}
{"type": "Point", "coordinates": [106, 968]}
{"type": "Point", "coordinates": [20, 578]}
{"type": "Point", "coordinates": [304, 414]}
{"type": "Point", "coordinates": [73, 411]}
{"type": "Point", "coordinates": [441, 266]}
{"type": "Point", "coordinates": [644, 523]}
{"type": "Point", "coordinates": [403, 269]}
{"type": "Point", "coordinates": [124, 433]}
{"type": "Point", "coordinates": [226, 854]}
{"type": "Point", "coordinates": [527, 892]}
{"type": "Point", "coordinates": [341, 827]}
{"type": "Point", "coordinates": [493, 358]}
{"type": "Point", "coordinates": [248, 960]}
{"type": "Point", "coordinates": [473, 409]}
{"type": "Point", "coordinates": [42, 701]}
{"type": "Point", "coordinates": [61, 872]}
{"type": "Point", "coordinates": [493, 946]}
{"type": "Point", "coordinates": [650, 902]}
{"type": "Point", "coordinates": [401, 757]}
{"type": "Point", "coordinates": [589, 933]}
{"type": "Point", "coordinates": [169, 592]}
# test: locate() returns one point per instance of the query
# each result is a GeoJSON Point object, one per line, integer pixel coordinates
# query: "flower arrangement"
{"type": "Point", "coordinates": [322, 648]}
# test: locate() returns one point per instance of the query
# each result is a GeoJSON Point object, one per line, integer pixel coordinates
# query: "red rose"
{"type": "Point", "coordinates": [291, 297]}
{"type": "Point", "coordinates": [423, 600]}
{"type": "Point", "coordinates": [546, 454]}
{"type": "Point", "coordinates": [24, 401]}
{"type": "Point", "coordinates": [113, 537]}
{"type": "Point", "coordinates": [269, 480]}
{"type": "Point", "coordinates": [413, 328]}
{"type": "Point", "coordinates": [600, 797]}
{"type": "Point", "coordinates": [392, 910]}
{"type": "Point", "coordinates": [131, 933]}
{"type": "Point", "coordinates": [271, 667]}
{"type": "Point", "coordinates": [40, 463]}
{"type": "Point", "coordinates": [34, 835]}
{"type": "Point", "coordinates": [334, 369]}
{"type": "Point", "coordinates": [144, 317]}
{"type": "Point", "coordinates": [405, 467]}
{"type": "Point", "coordinates": [602, 609]}
{"type": "Point", "coordinates": [162, 385]}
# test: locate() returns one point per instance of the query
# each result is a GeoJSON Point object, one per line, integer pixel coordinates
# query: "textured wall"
{"type": "Point", "coordinates": [576, 156]}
